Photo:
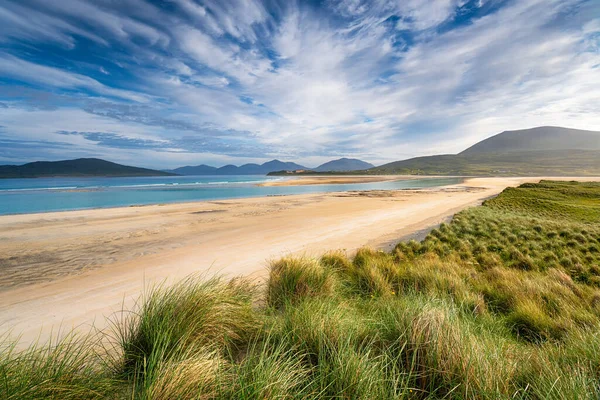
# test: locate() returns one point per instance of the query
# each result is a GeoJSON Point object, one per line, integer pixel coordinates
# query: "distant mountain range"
{"type": "Point", "coordinates": [341, 165]}
{"type": "Point", "coordinates": [98, 167]}
{"type": "Point", "coordinates": [538, 151]}
{"type": "Point", "coordinates": [246, 169]}
{"type": "Point", "coordinates": [78, 167]}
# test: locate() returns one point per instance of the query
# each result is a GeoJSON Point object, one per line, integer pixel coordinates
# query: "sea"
{"type": "Point", "coordinates": [18, 196]}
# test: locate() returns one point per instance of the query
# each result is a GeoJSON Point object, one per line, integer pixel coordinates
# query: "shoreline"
{"type": "Point", "coordinates": [308, 180]}
{"type": "Point", "coordinates": [65, 221]}
{"type": "Point", "coordinates": [251, 197]}
{"type": "Point", "coordinates": [289, 182]}
{"type": "Point", "coordinates": [68, 269]}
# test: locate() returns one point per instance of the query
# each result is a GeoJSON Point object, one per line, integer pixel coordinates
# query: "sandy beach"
{"type": "Point", "coordinates": [336, 179]}
{"type": "Point", "coordinates": [71, 269]}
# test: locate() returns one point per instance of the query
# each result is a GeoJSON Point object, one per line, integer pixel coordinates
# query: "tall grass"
{"type": "Point", "coordinates": [181, 334]}
{"type": "Point", "coordinates": [292, 279]}
{"type": "Point", "coordinates": [65, 369]}
{"type": "Point", "coordinates": [501, 303]}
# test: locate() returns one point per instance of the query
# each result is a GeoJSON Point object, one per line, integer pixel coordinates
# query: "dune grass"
{"type": "Point", "coordinates": [65, 369]}
{"type": "Point", "coordinates": [501, 303]}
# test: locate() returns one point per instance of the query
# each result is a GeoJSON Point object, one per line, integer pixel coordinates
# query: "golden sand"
{"type": "Point", "coordinates": [71, 269]}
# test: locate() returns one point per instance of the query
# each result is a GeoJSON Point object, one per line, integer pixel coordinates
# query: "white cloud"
{"type": "Point", "coordinates": [123, 28]}
{"type": "Point", "coordinates": [226, 58]}
{"type": "Point", "coordinates": [29, 72]}
{"type": "Point", "coordinates": [24, 23]}
{"type": "Point", "coordinates": [306, 85]}
{"type": "Point", "coordinates": [506, 69]}
{"type": "Point", "coordinates": [425, 14]}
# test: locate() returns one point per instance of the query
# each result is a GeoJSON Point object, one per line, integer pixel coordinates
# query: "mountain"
{"type": "Point", "coordinates": [344, 164]}
{"type": "Point", "coordinates": [78, 167]}
{"type": "Point", "coordinates": [246, 169]}
{"type": "Point", "coordinates": [544, 138]}
{"type": "Point", "coordinates": [526, 163]}
{"type": "Point", "coordinates": [538, 151]}
{"type": "Point", "coordinates": [276, 165]}
{"type": "Point", "coordinates": [227, 170]}
{"type": "Point", "coordinates": [194, 170]}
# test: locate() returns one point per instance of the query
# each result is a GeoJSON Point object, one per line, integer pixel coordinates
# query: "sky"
{"type": "Point", "coordinates": [167, 83]}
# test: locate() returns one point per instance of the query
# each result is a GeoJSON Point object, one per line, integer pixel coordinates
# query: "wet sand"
{"type": "Point", "coordinates": [71, 269]}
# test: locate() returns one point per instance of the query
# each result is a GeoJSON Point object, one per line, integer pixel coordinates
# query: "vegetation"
{"type": "Point", "coordinates": [524, 163]}
{"type": "Point", "coordinates": [503, 302]}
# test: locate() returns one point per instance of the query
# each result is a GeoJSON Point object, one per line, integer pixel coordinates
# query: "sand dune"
{"type": "Point", "coordinates": [70, 269]}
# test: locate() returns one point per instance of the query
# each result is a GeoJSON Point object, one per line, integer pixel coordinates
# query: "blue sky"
{"type": "Point", "coordinates": [178, 82]}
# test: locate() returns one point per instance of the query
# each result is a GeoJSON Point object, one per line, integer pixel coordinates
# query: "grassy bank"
{"type": "Point", "coordinates": [503, 302]}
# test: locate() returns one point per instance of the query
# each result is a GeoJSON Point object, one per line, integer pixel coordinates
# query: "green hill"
{"type": "Point", "coordinates": [532, 163]}
{"type": "Point", "coordinates": [78, 167]}
{"type": "Point", "coordinates": [545, 138]}
{"type": "Point", "coordinates": [534, 152]}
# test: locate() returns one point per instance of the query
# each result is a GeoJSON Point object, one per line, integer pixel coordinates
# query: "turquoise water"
{"type": "Point", "coordinates": [58, 194]}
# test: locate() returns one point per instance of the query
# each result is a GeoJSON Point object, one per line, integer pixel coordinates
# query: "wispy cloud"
{"type": "Point", "coordinates": [31, 73]}
{"type": "Point", "coordinates": [194, 80]}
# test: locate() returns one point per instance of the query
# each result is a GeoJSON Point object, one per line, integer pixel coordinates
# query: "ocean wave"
{"type": "Point", "coordinates": [236, 182]}
{"type": "Point", "coordinates": [218, 183]}
{"type": "Point", "coordinates": [140, 185]}
{"type": "Point", "coordinates": [39, 189]}
{"type": "Point", "coordinates": [144, 185]}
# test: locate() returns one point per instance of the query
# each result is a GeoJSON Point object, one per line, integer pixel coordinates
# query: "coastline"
{"type": "Point", "coordinates": [69, 269]}
{"type": "Point", "coordinates": [75, 195]}
{"type": "Point", "coordinates": [339, 179]}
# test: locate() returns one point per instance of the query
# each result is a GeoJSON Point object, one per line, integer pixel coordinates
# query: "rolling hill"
{"type": "Point", "coordinates": [344, 164]}
{"type": "Point", "coordinates": [537, 152]}
{"type": "Point", "coordinates": [545, 138]}
{"type": "Point", "coordinates": [78, 167]}
{"type": "Point", "coordinates": [532, 163]}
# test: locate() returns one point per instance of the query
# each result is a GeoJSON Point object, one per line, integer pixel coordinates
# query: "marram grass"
{"type": "Point", "coordinates": [501, 303]}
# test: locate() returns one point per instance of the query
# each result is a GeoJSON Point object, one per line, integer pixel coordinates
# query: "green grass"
{"type": "Point", "coordinates": [525, 163]}
{"type": "Point", "coordinates": [67, 369]}
{"type": "Point", "coordinates": [501, 303]}
{"type": "Point", "coordinates": [517, 163]}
